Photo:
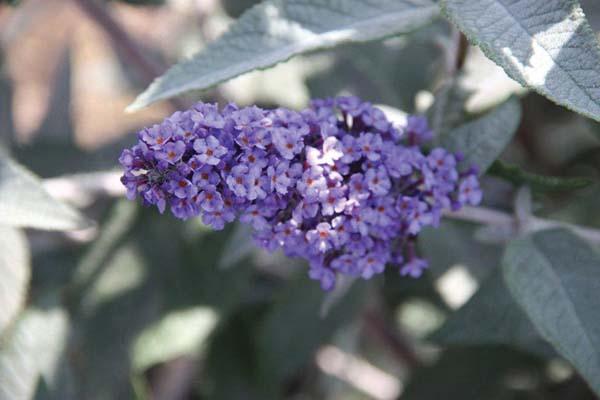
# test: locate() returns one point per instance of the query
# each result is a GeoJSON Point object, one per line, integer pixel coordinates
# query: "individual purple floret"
{"type": "Point", "coordinates": [337, 183]}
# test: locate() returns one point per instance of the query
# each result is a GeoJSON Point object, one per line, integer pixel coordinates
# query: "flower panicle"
{"type": "Point", "coordinates": [336, 183]}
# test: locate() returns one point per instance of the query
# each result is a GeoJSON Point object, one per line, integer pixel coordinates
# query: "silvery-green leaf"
{"type": "Point", "coordinates": [546, 45]}
{"type": "Point", "coordinates": [25, 203]}
{"type": "Point", "coordinates": [553, 276]}
{"type": "Point", "coordinates": [481, 141]}
{"type": "Point", "coordinates": [490, 317]}
{"type": "Point", "coordinates": [15, 272]}
{"type": "Point", "coordinates": [32, 349]}
{"type": "Point", "coordinates": [276, 30]}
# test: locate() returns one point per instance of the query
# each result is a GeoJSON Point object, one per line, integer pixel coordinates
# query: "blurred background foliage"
{"type": "Point", "coordinates": [142, 306]}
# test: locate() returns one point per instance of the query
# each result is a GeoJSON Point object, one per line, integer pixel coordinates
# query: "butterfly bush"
{"type": "Point", "coordinates": [337, 183]}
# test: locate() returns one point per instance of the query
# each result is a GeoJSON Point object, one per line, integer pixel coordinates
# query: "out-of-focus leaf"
{"type": "Point", "coordinates": [399, 289]}
{"type": "Point", "coordinates": [552, 275]}
{"type": "Point", "coordinates": [471, 373]}
{"type": "Point", "coordinates": [7, 127]}
{"type": "Point", "coordinates": [178, 333]}
{"type": "Point", "coordinates": [49, 157]}
{"type": "Point", "coordinates": [481, 141]}
{"type": "Point", "coordinates": [201, 278]}
{"type": "Point", "coordinates": [15, 272]}
{"type": "Point", "coordinates": [238, 247]}
{"type": "Point", "coordinates": [448, 109]}
{"type": "Point", "coordinates": [518, 177]}
{"type": "Point", "coordinates": [276, 30]}
{"type": "Point", "coordinates": [143, 2]}
{"type": "Point", "coordinates": [25, 203]}
{"type": "Point", "coordinates": [118, 223]}
{"type": "Point", "coordinates": [378, 65]}
{"type": "Point", "coordinates": [143, 267]}
{"type": "Point", "coordinates": [54, 267]}
{"type": "Point", "coordinates": [231, 362]}
{"type": "Point", "coordinates": [491, 317]}
{"type": "Point", "coordinates": [32, 349]}
{"type": "Point", "coordinates": [113, 300]}
{"type": "Point", "coordinates": [546, 45]}
{"type": "Point", "coordinates": [343, 285]}
{"type": "Point", "coordinates": [454, 243]}
{"type": "Point", "coordinates": [293, 328]}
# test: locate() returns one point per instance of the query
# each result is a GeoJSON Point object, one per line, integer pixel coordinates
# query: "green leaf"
{"type": "Point", "coordinates": [518, 177]}
{"type": "Point", "coordinates": [546, 45]}
{"type": "Point", "coordinates": [492, 316]}
{"type": "Point", "coordinates": [553, 276]}
{"type": "Point", "coordinates": [113, 299]}
{"type": "Point", "coordinates": [15, 272]}
{"type": "Point", "coordinates": [25, 203]}
{"type": "Point", "coordinates": [472, 373]}
{"type": "Point", "coordinates": [453, 243]}
{"type": "Point", "coordinates": [113, 231]}
{"type": "Point", "coordinates": [276, 30]}
{"type": "Point", "coordinates": [231, 360]}
{"type": "Point", "coordinates": [142, 278]}
{"type": "Point", "coordinates": [481, 141]}
{"type": "Point", "coordinates": [178, 333]}
{"type": "Point", "coordinates": [293, 328]}
{"type": "Point", "coordinates": [33, 349]}
{"type": "Point", "coordinates": [203, 276]}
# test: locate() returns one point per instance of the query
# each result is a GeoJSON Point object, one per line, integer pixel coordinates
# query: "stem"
{"type": "Point", "coordinates": [147, 68]}
{"type": "Point", "coordinates": [488, 216]}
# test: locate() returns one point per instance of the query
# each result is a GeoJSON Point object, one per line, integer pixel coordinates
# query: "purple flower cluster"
{"type": "Point", "coordinates": [337, 183]}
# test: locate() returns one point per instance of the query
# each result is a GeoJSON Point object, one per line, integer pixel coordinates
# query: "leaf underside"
{"type": "Point", "coordinates": [550, 274]}
{"type": "Point", "coordinates": [481, 141]}
{"type": "Point", "coordinates": [546, 45]}
{"type": "Point", "coordinates": [25, 203]}
{"type": "Point", "coordinates": [276, 30]}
